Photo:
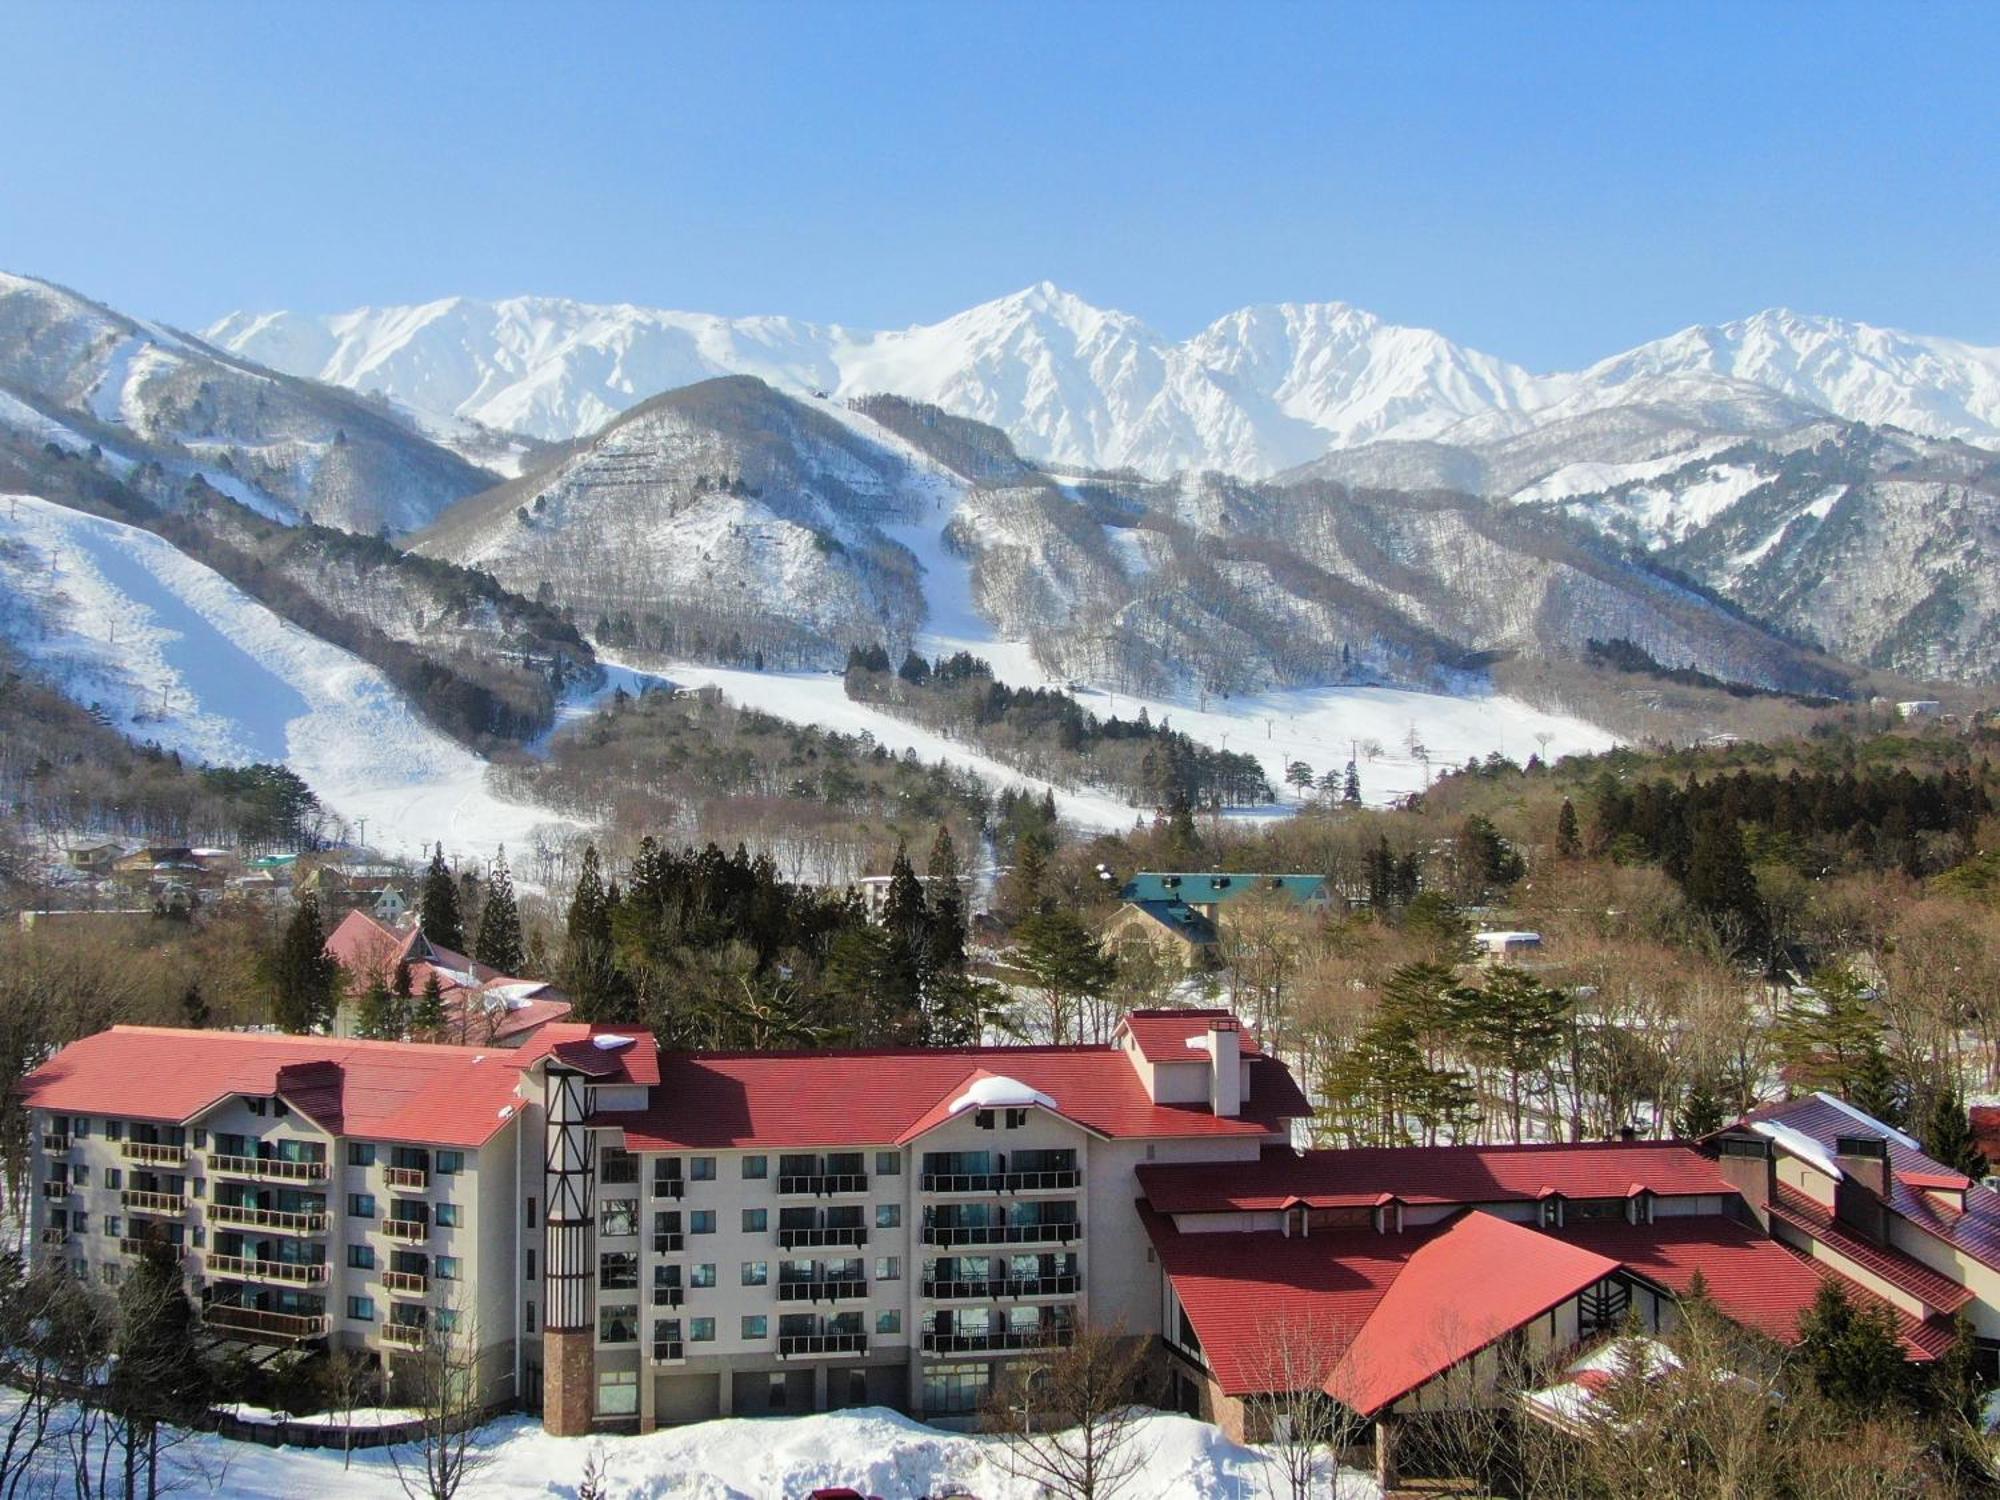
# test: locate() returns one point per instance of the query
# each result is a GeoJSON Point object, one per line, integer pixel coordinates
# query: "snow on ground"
{"type": "Point", "coordinates": [871, 1449]}
{"type": "Point", "coordinates": [175, 653]}
{"type": "Point", "coordinates": [1591, 478]}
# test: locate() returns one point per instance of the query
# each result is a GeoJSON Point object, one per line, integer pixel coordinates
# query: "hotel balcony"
{"type": "Point", "coordinates": [405, 1335]}
{"type": "Point", "coordinates": [265, 1270]}
{"type": "Point", "coordinates": [821, 1291]}
{"type": "Point", "coordinates": [56, 1190]}
{"type": "Point", "coordinates": [153, 1154]}
{"type": "Point", "coordinates": [407, 1229]}
{"type": "Point", "coordinates": [142, 1202]}
{"type": "Point", "coordinates": [997, 1341]}
{"type": "Point", "coordinates": [668, 1352]}
{"type": "Point", "coordinates": [668, 1242]}
{"type": "Point", "coordinates": [824, 1184]}
{"type": "Point", "coordinates": [55, 1144]}
{"type": "Point", "coordinates": [668, 1296]}
{"type": "Point", "coordinates": [267, 1168]}
{"type": "Point", "coordinates": [1012, 1286]}
{"type": "Point", "coordinates": [812, 1239]}
{"type": "Point", "coordinates": [134, 1245]}
{"type": "Point", "coordinates": [669, 1187]}
{"type": "Point", "coordinates": [807, 1345]}
{"type": "Point", "coordinates": [407, 1177]}
{"type": "Point", "coordinates": [406, 1283]}
{"type": "Point", "coordinates": [1001, 1234]}
{"type": "Point", "coordinates": [283, 1220]}
{"type": "Point", "coordinates": [262, 1327]}
{"type": "Point", "coordinates": [965, 1183]}
{"type": "Point", "coordinates": [54, 1236]}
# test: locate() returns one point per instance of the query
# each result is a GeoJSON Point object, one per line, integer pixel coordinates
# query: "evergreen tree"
{"type": "Point", "coordinates": [303, 976]}
{"type": "Point", "coordinates": [943, 869]}
{"type": "Point", "coordinates": [381, 1017]}
{"type": "Point", "coordinates": [1066, 963]}
{"type": "Point", "coordinates": [1854, 1354]}
{"type": "Point", "coordinates": [589, 966]}
{"type": "Point", "coordinates": [1719, 882]}
{"type": "Point", "coordinates": [1027, 881]}
{"type": "Point", "coordinates": [438, 912]}
{"type": "Point", "coordinates": [428, 1019]}
{"type": "Point", "coordinates": [1350, 792]}
{"type": "Point", "coordinates": [499, 941]}
{"type": "Point", "coordinates": [1512, 1024]}
{"type": "Point", "coordinates": [1874, 1089]}
{"type": "Point", "coordinates": [1948, 1136]}
{"type": "Point", "coordinates": [194, 1006]}
{"type": "Point", "coordinates": [1183, 848]}
{"type": "Point", "coordinates": [1701, 1111]}
{"type": "Point", "coordinates": [1569, 841]}
{"type": "Point", "coordinates": [1299, 775]}
{"type": "Point", "coordinates": [1829, 1036]}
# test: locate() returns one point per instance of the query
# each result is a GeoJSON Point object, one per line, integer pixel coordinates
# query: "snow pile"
{"type": "Point", "coordinates": [1799, 1144]}
{"type": "Point", "coordinates": [997, 1092]}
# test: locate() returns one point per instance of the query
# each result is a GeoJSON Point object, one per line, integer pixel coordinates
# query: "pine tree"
{"type": "Point", "coordinates": [499, 941]}
{"type": "Point", "coordinates": [1512, 1024]}
{"type": "Point", "coordinates": [302, 975]}
{"type": "Point", "coordinates": [1569, 841]}
{"type": "Point", "coordinates": [1027, 881]}
{"type": "Point", "coordinates": [159, 1376]}
{"type": "Point", "coordinates": [438, 913]}
{"type": "Point", "coordinates": [428, 1019]}
{"type": "Point", "coordinates": [1874, 1089]}
{"type": "Point", "coordinates": [1853, 1353]}
{"type": "Point", "coordinates": [1828, 1036]}
{"type": "Point", "coordinates": [381, 1017]}
{"type": "Point", "coordinates": [1719, 880]}
{"type": "Point", "coordinates": [1350, 792]}
{"type": "Point", "coordinates": [194, 1006]}
{"type": "Point", "coordinates": [1065, 962]}
{"type": "Point", "coordinates": [1948, 1136]}
{"type": "Point", "coordinates": [943, 868]}
{"type": "Point", "coordinates": [590, 964]}
{"type": "Point", "coordinates": [1299, 776]}
{"type": "Point", "coordinates": [1701, 1111]}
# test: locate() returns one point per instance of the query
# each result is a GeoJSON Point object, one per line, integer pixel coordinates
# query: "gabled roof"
{"type": "Point", "coordinates": [1932, 1288]}
{"type": "Point", "coordinates": [1435, 1174]}
{"type": "Point", "coordinates": [1478, 1281]}
{"type": "Point", "coordinates": [603, 1054]}
{"type": "Point", "coordinates": [982, 1089]}
{"type": "Point", "coordinates": [1176, 917]}
{"type": "Point", "coordinates": [1206, 887]}
{"type": "Point", "coordinates": [481, 1004]}
{"type": "Point", "coordinates": [1162, 1035]}
{"type": "Point", "coordinates": [1975, 1230]}
{"type": "Point", "coordinates": [876, 1097]}
{"type": "Point", "coordinates": [391, 1091]}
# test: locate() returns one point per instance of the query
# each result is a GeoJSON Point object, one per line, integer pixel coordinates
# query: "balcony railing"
{"type": "Point", "coordinates": [407, 1177]}
{"type": "Point", "coordinates": [794, 1345]}
{"type": "Point", "coordinates": [667, 1351]}
{"type": "Point", "coordinates": [669, 1187]}
{"type": "Point", "coordinates": [55, 1190]}
{"type": "Point", "coordinates": [143, 1202]}
{"type": "Point", "coordinates": [266, 1270]}
{"type": "Point", "coordinates": [668, 1296]}
{"type": "Point", "coordinates": [820, 1291]}
{"type": "Point", "coordinates": [283, 1220]}
{"type": "Point", "coordinates": [263, 1327]}
{"type": "Point", "coordinates": [154, 1153]}
{"type": "Point", "coordinates": [53, 1236]}
{"type": "Point", "coordinates": [825, 1183]}
{"type": "Point", "coordinates": [55, 1144]}
{"type": "Point", "coordinates": [997, 1341]}
{"type": "Point", "coordinates": [405, 1335]}
{"type": "Point", "coordinates": [1001, 1234]}
{"type": "Point", "coordinates": [810, 1239]}
{"type": "Point", "coordinates": [1009, 1286]}
{"type": "Point", "coordinates": [1001, 1182]}
{"type": "Point", "coordinates": [668, 1242]}
{"type": "Point", "coordinates": [406, 1283]}
{"type": "Point", "coordinates": [271, 1168]}
{"type": "Point", "coordinates": [407, 1229]}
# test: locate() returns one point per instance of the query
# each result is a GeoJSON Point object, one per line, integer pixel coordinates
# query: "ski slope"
{"type": "Point", "coordinates": [170, 651]}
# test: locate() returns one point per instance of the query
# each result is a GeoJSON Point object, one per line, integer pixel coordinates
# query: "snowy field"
{"type": "Point", "coordinates": [173, 652]}
{"type": "Point", "coordinates": [873, 1450]}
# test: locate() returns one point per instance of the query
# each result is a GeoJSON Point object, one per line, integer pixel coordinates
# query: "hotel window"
{"type": "Point", "coordinates": [618, 1323]}
{"type": "Point", "coordinates": [114, 1226]}
{"type": "Point", "coordinates": [361, 1257]}
{"type": "Point", "coordinates": [617, 1216]}
{"type": "Point", "coordinates": [447, 1268]}
{"type": "Point", "coordinates": [114, 1130]}
{"type": "Point", "coordinates": [701, 1168]}
{"type": "Point", "coordinates": [114, 1177]}
{"type": "Point", "coordinates": [451, 1163]}
{"type": "Point", "coordinates": [756, 1167]}
{"type": "Point", "coordinates": [701, 1330]}
{"type": "Point", "coordinates": [754, 1326]}
{"type": "Point", "coordinates": [361, 1205]}
{"type": "Point", "coordinates": [531, 1213]}
{"type": "Point", "coordinates": [756, 1272]}
{"type": "Point", "coordinates": [361, 1153]}
{"type": "Point", "coordinates": [616, 1167]}
{"type": "Point", "coordinates": [702, 1274]}
{"type": "Point", "coordinates": [617, 1270]}
{"type": "Point", "coordinates": [527, 1317]}
{"type": "Point", "coordinates": [888, 1268]}
{"type": "Point", "coordinates": [701, 1221]}
{"type": "Point", "coordinates": [888, 1216]}
{"type": "Point", "coordinates": [956, 1389]}
{"type": "Point", "coordinates": [528, 1263]}
{"type": "Point", "coordinates": [361, 1309]}
{"type": "Point", "coordinates": [80, 1174]}
{"type": "Point", "coordinates": [888, 1163]}
{"type": "Point", "coordinates": [447, 1320]}
{"type": "Point", "coordinates": [1016, 1118]}
{"type": "Point", "coordinates": [618, 1393]}
{"type": "Point", "coordinates": [447, 1215]}
{"type": "Point", "coordinates": [755, 1220]}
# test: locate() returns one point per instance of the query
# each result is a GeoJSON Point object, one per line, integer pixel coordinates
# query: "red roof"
{"type": "Point", "coordinates": [1975, 1230]}
{"type": "Point", "coordinates": [392, 1091]}
{"type": "Point", "coordinates": [1478, 1281]}
{"type": "Point", "coordinates": [475, 1011]}
{"type": "Point", "coordinates": [1933, 1288]}
{"type": "Point", "coordinates": [1435, 1174]}
{"type": "Point", "coordinates": [720, 1101]}
{"type": "Point", "coordinates": [577, 1044]}
{"type": "Point", "coordinates": [1162, 1035]}
{"type": "Point", "coordinates": [1755, 1280]}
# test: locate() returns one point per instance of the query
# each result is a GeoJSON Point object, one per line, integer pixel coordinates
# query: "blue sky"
{"type": "Point", "coordinates": [1548, 182]}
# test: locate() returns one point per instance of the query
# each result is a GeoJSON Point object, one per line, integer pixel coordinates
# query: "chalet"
{"type": "Point", "coordinates": [93, 856]}
{"type": "Point", "coordinates": [1184, 912]}
{"type": "Point", "coordinates": [482, 1005]}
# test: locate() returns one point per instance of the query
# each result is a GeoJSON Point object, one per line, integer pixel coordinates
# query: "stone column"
{"type": "Point", "coordinates": [569, 1382]}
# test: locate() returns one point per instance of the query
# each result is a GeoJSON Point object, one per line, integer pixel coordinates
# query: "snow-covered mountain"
{"type": "Point", "coordinates": [1259, 390]}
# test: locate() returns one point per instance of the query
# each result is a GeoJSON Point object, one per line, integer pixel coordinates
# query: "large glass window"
{"type": "Point", "coordinates": [618, 1270]}
{"type": "Point", "coordinates": [618, 1393]}
{"type": "Point", "coordinates": [951, 1389]}
{"type": "Point", "coordinates": [755, 1167]}
{"type": "Point", "coordinates": [618, 1216]}
{"type": "Point", "coordinates": [618, 1323]}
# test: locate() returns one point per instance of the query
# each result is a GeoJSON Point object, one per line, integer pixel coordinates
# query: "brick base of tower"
{"type": "Point", "coordinates": [569, 1382]}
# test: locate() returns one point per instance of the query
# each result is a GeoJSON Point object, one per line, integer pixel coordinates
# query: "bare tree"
{"type": "Point", "coordinates": [1069, 1416]}
{"type": "Point", "coordinates": [444, 1388]}
{"type": "Point", "coordinates": [1303, 1429]}
{"type": "Point", "coordinates": [347, 1381]}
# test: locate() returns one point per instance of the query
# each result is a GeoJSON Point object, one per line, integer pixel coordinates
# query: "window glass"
{"type": "Point", "coordinates": [889, 1321]}
{"type": "Point", "coordinates": [755, 1220]}
{"type": "Point", "coordinates": [618, 1393]}
{"type": "Point", "coordinates": [361, 1205]}
{"type": "Point", "coordinates": [447, 1268]}
{"type": "Point", "coordinates": [754, 1326]}
{"type": "Point", "coordinates": [756, 1272]}
{"type": "Point", "coordinates": [701, 1330]}
{"type": "Point", "coordinates": [888, 1163]}
{"type": "Point", "coordinates": [450, 1163]}
{"type": "Point", "coordinates": [616, 1216]}
{"type": "Point", "coordinates": [701, 1168]}
{"type": "Point", "coordinates": [888, 1215]}
{"type": "Point", "coordinates": [618, 1270]}
{"type": "Point", "coordinates": [361, 1257]}
{"type": "Point", "coordinates": [755, 1167]}
{"type": "Point", "coordinates": [888, 1267]}
{"type": "Point", "coordinates": [361, 1153]}
{"type": "Point", "coordinates": [361, 1309]}
{"type": "Point", "coordinates": [701, 1221]}
{"type": "Point", "coordinates": [618, 1323]}
{"type": "Point", "coordinates": [702, 1274]}
{"type": "Point", "coordinates": [447, 1215]}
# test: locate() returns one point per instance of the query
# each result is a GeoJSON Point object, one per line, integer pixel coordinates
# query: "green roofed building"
{"type": "Point", "coordinates": [1184, 910]}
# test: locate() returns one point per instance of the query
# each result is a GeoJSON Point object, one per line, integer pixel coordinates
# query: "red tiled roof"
{"type": "Point", "coordinates": [1479, 1280]}
{"type": "Point", "coordinates": [1435, 1174]}
{"type": "Point", "coordinates": [572, 1042]}
{"type": "Point", "coordinates": [1933, 1288]}
{"type": "Point", "coordinates": [1975, 1230]}
{"type": "Point", "coordinates": [784, 1099]}
{"type": "Point", "coordinates": [368, 950]}
{"type": "Point", "coordinates": [1755, 1280]}
{"type": "Point", "coordinates": [395, 1091]}
{"type": "Point", "coordinates": [1162, 1035]}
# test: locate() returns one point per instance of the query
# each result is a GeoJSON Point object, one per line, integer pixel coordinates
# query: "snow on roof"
{"type": "Point", "coordinates": [516, 991]}
{"type": "Point", "coordinates": [1507, 937]}
{"type": "Point", "coordinates": [610, 1041]}
{"type": "Point", "coordinates": [1868, 1121]}
{"type": "Point", "coordinates": [1799, 1144]}
{"type": "Point", "coordinates": [998, 1092]}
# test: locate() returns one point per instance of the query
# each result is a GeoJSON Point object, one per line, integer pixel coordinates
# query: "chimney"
{"type": "Point", "coordinates": [1746, 1164]}
{"type": "Point", "coordinates": [1861, 1197]}
{"type": "Point", "coordinates": [1225, 1067]}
